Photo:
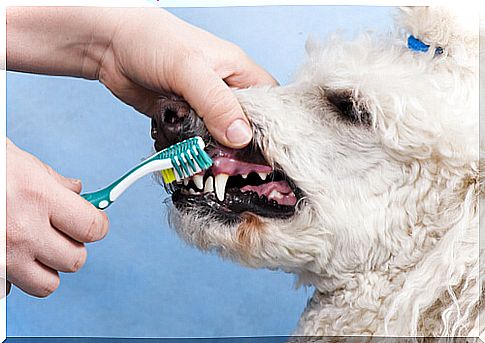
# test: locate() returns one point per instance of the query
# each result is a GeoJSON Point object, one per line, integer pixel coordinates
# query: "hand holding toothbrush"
{"type": "Point", "coordinates": [47, 224]}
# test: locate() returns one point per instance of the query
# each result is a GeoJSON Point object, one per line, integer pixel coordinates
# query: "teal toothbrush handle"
{"type": "Point", "coordinates": [100, 198]}
{"type": "Point", "coordinates": [104, 197]}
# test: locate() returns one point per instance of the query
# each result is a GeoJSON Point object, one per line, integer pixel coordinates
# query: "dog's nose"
{"type": "Point", "coordinates": [168, 121]}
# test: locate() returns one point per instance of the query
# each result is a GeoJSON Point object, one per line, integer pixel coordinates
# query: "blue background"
{"type": "Point", "coordinates": [142, 281]}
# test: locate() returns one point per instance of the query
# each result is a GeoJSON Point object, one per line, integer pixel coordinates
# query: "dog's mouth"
{"type": "Point", "coordinates": [239, 181]}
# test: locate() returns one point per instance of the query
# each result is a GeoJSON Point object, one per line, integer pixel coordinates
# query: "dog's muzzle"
{"type": "Point", "coordinates": [239, 181]}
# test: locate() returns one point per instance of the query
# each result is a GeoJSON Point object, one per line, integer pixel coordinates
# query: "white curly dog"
{"type": "Point", "coordinates": [362, 180]}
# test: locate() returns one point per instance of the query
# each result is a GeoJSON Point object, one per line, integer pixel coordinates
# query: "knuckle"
{"type": "Point", "coordinates": [221, 105]}
{"type": "Point", "coordinates": [49, 169]}
{"type": "Point", "coordinates": [78, 262]}
{"type": "Point", "coordinates": [33, 188]}
{"type": "Point", "coordinates": [98, 228]}
{"type": "Point", "coordinates": [237, 52]}
{"type": "Point", "coordinates": [216, 94]}
{"type": "Point", "coordinates": [237, 59]}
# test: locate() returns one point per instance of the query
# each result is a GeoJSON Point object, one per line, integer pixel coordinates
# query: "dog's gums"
{"type": "Point", "coordinates": [238, 183]}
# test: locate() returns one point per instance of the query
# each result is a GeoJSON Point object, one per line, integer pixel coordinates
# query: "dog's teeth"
{"type": "Point", "coordinates": [244, 176]}
{"type": "Point", "coordinates": [186, 182]}
{"type": "Point", "coordinates": [263, 176]}
{"type": "Point", "coordinates": [220, 185]}
{"type": "Point", "coordinates": [275, 195]}
{"type": "Point", "coordinates": [199, 181]}
{"type": "Point", "coordinates": [209, 185]}
{"type": "Point", "coordinates": [191, 191]}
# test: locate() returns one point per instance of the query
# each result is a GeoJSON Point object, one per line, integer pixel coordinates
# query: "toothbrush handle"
{"type": "Point", "coordinates": [104, 197]}
{"type": "Point", "coordinates": [100, 198]}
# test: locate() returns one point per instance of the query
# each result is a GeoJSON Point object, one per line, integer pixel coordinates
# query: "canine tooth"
{"type": "Point", "coordinates": [209, 185]}
{"type": "Point", "coordinates": [220, 185]}
{"type": "Point", "coordinates": [263, 176]}
{"type": "Point", "coordinates": [199, 181]}
{"type": "Point", "coordinates": [244, 176]}
{"type": "Point", "coordinates": [191, 191]}
{"type": "Point", "coordinates": [186, 182]}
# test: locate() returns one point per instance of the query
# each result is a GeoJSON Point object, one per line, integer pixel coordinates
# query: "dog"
{"type": "Point", "coordinates": [362, 180]}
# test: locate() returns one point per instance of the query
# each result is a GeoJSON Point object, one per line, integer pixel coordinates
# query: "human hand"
{"type": "Point", "coordinates": [153, 52]}
{"type": "Point", "coordinates": [47, 224]}
{"type": "Point", "coordinates": [139, 54]}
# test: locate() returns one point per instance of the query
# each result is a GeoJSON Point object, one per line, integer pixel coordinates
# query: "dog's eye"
{"type": "Point", "coordinates": [346, 104]}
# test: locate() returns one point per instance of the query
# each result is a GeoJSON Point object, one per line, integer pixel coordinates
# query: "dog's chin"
{"type": "Point", "coordinates": [239, 183]}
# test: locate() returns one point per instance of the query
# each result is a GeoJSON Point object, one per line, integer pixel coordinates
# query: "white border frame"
{"type": "Point", "coordinates": [147, 3]}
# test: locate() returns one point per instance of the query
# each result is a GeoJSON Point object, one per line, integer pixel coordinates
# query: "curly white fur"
{"type": "Point", "coordinates": [388, 229]}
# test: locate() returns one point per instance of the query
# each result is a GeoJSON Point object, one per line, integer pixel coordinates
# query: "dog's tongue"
{"type": "Point", "coordinates": [279, 191]}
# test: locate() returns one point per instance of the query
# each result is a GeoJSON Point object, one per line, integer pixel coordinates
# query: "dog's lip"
{"type": "Point", "coordinates": [236, 161]}
{"type": "Point", "coordinates": [235, 204]}
{"type": "Point", "coordinates": [250, 185]}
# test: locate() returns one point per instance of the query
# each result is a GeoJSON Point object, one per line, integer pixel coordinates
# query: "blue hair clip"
{"type": "Point", "coordinates": [419, 46]}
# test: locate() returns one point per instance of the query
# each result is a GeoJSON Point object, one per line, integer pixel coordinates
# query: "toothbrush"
{"type": "Point", "coordinates": [178, 162]}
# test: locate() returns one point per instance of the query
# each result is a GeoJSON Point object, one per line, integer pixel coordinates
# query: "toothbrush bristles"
{"type": "Point", "coordinates": [188, 158]}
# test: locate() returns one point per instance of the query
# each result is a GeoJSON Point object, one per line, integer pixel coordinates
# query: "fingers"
{"type": "Point", "coordinates": [215, 103]}
{"type": "Point", "coordinates": [73, 215]}
{"type": "Point", "coordinates": [245, 80]}
{"type": "Point", "coordinates": [46, 222]}
{"type": "Point", "coordinates": [59, 252]}
{"type": "Point", "coordinates": [37, 279]}
{"type": "Point", "coordinates": [72, 184]}
{"type": "Point", "coordinates": [248, 74]}
{"type": "Point", "coordinates": [77, 218]}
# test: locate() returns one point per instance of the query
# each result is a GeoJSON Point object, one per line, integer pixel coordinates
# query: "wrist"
{"type": "Point", "coordinates": [103, 27]}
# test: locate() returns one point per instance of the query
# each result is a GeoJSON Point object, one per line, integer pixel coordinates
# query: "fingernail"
{"type": "Point", "coordinates": [239, 132]}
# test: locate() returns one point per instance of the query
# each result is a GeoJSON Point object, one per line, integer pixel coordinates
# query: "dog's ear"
{"type": "Point", "coordinates": [348, 104]}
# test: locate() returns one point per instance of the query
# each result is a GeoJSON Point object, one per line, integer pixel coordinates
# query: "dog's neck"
{"type": "Point", "coordinates": [364, 303]}
{"type": "Point", "coordinates": [357, 308]}
{"type": "Point", "coordinates": [440, 275]}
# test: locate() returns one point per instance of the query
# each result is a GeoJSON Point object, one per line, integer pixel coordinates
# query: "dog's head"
{"type": "Point", "coordinates": [349, 164]}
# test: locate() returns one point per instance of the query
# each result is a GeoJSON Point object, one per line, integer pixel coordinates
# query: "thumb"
{"type": "Point", "coordinates": [215, 103]}
{"type": "Point", "coordinates": [72, 184]}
